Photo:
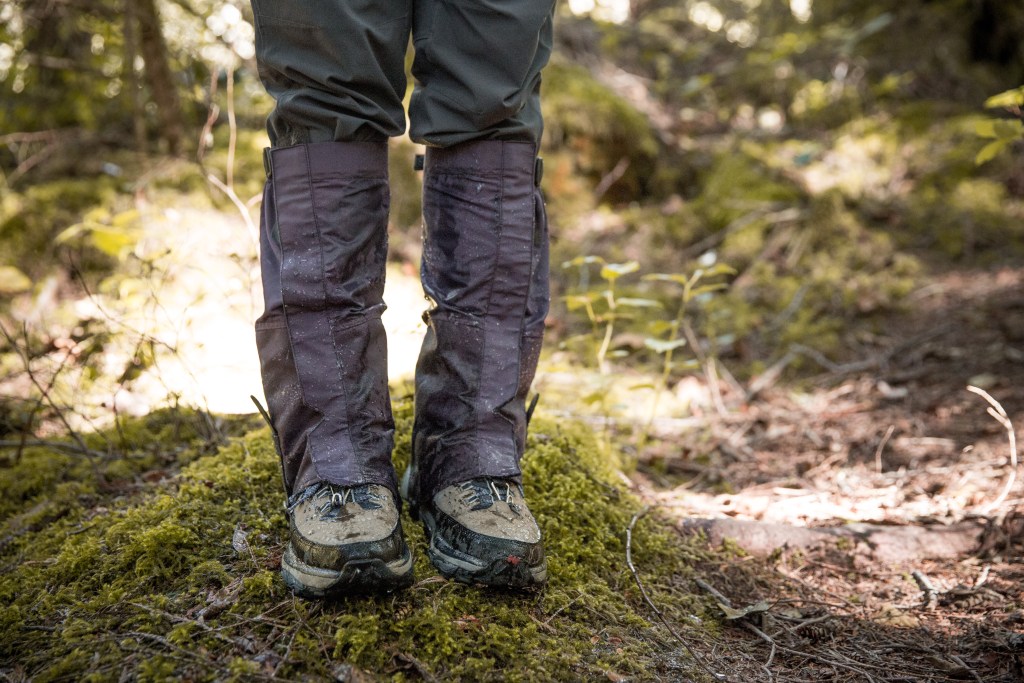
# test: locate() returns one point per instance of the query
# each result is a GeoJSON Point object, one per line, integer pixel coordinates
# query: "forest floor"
{"type": "Point", "coordinates": [852, 526]}
{"type": "Point", "coordinates": [848, 525]}
{"type": "Point", "coordinates": [882, 543]}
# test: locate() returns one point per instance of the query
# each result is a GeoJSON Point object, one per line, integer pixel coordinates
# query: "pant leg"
{"type": "Point", "coordinates": [336, 71]}
{"type": "Point", "coordinates": [323, 351]}
{"type": "Point", "coordinates": [336, 68]}
{"type": "Point", "coordinates": [477, 66]}
{"type": "Point", "coordinates": [485, 268]}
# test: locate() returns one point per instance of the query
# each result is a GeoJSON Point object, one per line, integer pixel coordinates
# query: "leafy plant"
{"type": "Point", "coordinates": [690, 288]}
{"type": "Point", "coordinates": [610, 273]}
{"type": "Point", "coordinates": [1002, 132]}
{"type": "Point", "coordinates": [607, 311]}
{"type": "Point", "coordinates": [112, 233]}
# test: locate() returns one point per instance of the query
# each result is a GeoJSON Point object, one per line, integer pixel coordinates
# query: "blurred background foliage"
{"type": "Point", "coordinates": [830, 152]}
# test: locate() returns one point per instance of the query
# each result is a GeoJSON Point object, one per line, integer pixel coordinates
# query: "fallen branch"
{"type": "Point", "coordinates": [650, 603]}
{"type": "Point", "coordinates": [768, 639]}
{"type": "Point", "coordinates": [999, 414]}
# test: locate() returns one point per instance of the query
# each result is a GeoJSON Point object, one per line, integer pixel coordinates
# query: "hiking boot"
{"type": "Point", "coordinates": [345, 540]}
{"type": "Point", "coordinates": [480, 531]}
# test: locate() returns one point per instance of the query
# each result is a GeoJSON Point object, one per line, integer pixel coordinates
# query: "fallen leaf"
{"type": "Point", "coordinates": [733, 613]}
{"type": "Point", "coordinates": [890, 615]}
{"type": "Point", "coordinates": [240, 540]}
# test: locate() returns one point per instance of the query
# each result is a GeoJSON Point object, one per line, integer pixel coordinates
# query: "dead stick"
{"type": "Point", "coordinates": [765, 637]}
{"type": "Point", "coordinates": [931, 594]}
{"type": "Point", "coordinates": [650, 603]}
{"type": "Point", "coordinates": [999, 414]}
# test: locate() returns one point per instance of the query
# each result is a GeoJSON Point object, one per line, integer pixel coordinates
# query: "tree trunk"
{"type": "Point", "coordinates": [131, 50]}
{"type": "Point", "coordinates": [163, 90]}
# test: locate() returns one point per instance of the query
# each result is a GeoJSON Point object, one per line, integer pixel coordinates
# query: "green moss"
{"type": "Point", "coordinates": [738, 183]}
{"type": "Point", "coordinates": [803, 282]}
{"type": "Point", "coordinates": [30, 220]}
{"type": "Point", "coordinates": [100, 578]}
{"type": "Point", "coordinates": [596, 129]}
{"type": "Point", "coordinates": [974, 218]}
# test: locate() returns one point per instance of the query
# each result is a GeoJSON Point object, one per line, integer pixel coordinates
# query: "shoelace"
{"type": "Point", "coordinates": [335, 498]}
{"type": "Point", "coordinates": [483, 493]}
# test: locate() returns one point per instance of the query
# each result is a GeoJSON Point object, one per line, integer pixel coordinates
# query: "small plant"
{"type": "Point", "coordinates": [608, 312]}
{"type": "Point", "coordinates": [610, 273]}
{"type": "Point", "coordinates": [678, 332]}
{"type": "Point", "coordinates": [1002, 132]}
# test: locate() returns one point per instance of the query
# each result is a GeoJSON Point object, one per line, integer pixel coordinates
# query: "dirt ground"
{"type": "Point", "coordinates": [876, 537]}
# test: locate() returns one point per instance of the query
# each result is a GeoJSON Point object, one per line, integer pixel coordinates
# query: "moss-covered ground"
{"type": "Point", "coordinates": [160, 562]}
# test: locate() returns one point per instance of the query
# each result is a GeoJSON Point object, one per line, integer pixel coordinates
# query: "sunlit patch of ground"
{"type": "Point", "coordinates": [199, 306]}
{"type": "Point", "coordinates": [892, 437]}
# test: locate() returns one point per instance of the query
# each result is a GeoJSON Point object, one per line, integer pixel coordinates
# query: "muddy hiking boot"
{"type": "Point", "coordinates": [345, 540]}
{"type": "Point", "coordinates": [481, 531]}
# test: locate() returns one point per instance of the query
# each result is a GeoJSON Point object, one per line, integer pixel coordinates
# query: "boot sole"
{"type": "Point", "coordinates": [465, 569]}
{"type": "Point", "coordinates": [354, 578]}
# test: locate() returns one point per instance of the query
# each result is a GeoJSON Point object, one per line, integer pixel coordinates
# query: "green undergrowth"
{"type": "Point", "coordinates": [177, 579]}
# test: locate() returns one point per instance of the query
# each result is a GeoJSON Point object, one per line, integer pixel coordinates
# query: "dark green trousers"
{"type": "Point", "coordinates": [336, 68]}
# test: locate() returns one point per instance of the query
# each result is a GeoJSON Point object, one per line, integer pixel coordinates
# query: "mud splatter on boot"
{"type": "Point", "coordinates": [345, 540]}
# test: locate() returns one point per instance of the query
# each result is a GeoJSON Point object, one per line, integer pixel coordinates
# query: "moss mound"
{"type": "Point", "coordinates": [178, 579]}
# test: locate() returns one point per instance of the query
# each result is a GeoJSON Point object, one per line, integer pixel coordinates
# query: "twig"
{"type": "Point", "coordinates": [983, 577]}
{"type": "Point", "coordinates": [189, 654]}
{"type": "Point", "coordinates": [770, 376]}
{"type": "Point", "coordinates": [876, 361]}
{"type": "Point", "coordinates": [707, 366]}
{"type": "Point", "coordinates": [110, 317]}
{"type": "Point", "coordinates": [239, 204]}
{"type": "Point", "coordinates": [148, 338]}
{"type": "Point", "coordinates": [650, 603]}
{"type": "Point", "coordinates": [931, 594]}
{"type": "Point", "coordinates": [999, 414]}
{"type": "Point", "coordinates": [44, 391]}
{"type": "Point", "coordinates": [36, 136]}
{"type": "Point", "coordinates": [716, 238]}
{"type": "Point", "coordinates": [543, 624]}
{"type": "Point", "coordinates": [229, 172]}
{"type": "Point", "coordinates": [287, 651]}
{"type": "Point", "coordinates": [211, 118]}
{"type": "Point", "coordinates": [562, 609]}
{"type": "Point", "coordinates": [881, 447]}
{"type": "Point", "coordinates": [27, 429]}
{"type": "Point", "coordinates": [243, 643]}
{"type": "Point", "coordinates": [963, 664]}
{"type": "Point", "coordinates": [611, 178]}
{"type": "Point", "coordinates": [765, 637]}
